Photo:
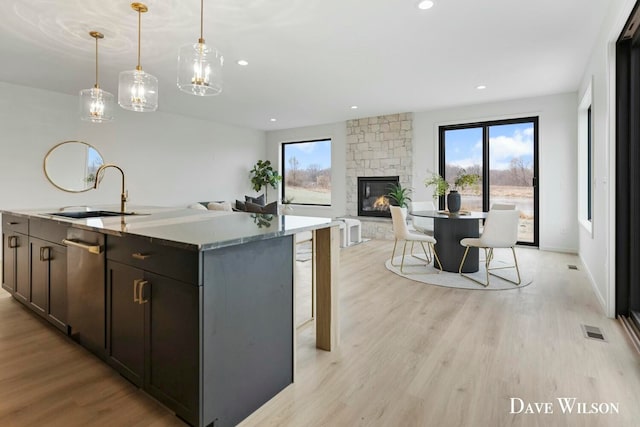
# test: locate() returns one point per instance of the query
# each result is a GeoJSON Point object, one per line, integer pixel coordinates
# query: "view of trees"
{"type": "Point", "coordinates": [311, 177]}
{"type": "Point", "coordinates": [306, 167]}
{"type": "Point", "coordinates": [519, 173]}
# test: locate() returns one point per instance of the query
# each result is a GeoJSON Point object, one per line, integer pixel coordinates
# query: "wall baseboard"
{"type": "Point", "coordinates": [601, 299]}
{"type": "Point", "coordinates": [572, 251]}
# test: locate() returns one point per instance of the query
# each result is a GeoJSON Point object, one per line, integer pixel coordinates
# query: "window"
{"type": "Point", "coordinates": [306, 172]}
{"type": "Point", "coordinates": [504, 154]}
{"type": "Point", "coordinates": [585, 161]}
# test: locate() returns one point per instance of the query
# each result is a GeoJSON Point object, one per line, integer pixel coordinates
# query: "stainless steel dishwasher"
{"type": "Point", "coordinates": [86, 288]}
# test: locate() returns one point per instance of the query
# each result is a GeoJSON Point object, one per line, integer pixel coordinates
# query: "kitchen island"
{"type": "Point", "coordinates": [194, 307]}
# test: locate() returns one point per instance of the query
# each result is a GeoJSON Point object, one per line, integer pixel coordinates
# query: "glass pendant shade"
{"type": "Point", "coordinates": [138, 91]}
{"type": "Point", "coordinates": [200, 70]}
{"type": "Point", "coordinates": [96, 105]}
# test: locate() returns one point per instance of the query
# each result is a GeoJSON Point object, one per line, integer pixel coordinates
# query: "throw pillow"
{"type": "Point", "coordinates": [252, 207]}
{"type": "Point", "coordinates": [257, 200]}
{"type": "Point", "coordinates": [271, 208]}
{"type": "Point", "coordinates": [197, 206]}
{"type": "Point", "coordinates": [240, 206]}
{"type": "Point", "coordinates": [219, 206]}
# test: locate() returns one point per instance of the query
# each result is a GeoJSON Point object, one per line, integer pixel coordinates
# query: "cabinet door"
{"type": "Point", "coordinates": [125, 321]}
{"type": "Point", "coordinates": [57, 298]}
{"type": "Point", "coordinates": [17, 265]}
{"type": "Point", "coordinates": [9, 240]}
{"type": "Point", "coordinates": [40, 255]}
{"type": "Point", "coordinates": [172, 344]}
{"type": "Point", "coordinates": [22, 268]}
{"type": "Point", "coordinates": [48, 295]}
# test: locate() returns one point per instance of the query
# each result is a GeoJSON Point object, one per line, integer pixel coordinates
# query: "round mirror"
{"type": "Point", "coordinates": [71, 166]}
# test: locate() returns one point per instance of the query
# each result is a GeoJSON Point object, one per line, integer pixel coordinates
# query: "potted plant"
{"type": "Point", "coordinates": [399, 195]}
{"type": "Point", "coordinates": [263, 176]}
{"type": "Point", "coordinates": [462, 181]}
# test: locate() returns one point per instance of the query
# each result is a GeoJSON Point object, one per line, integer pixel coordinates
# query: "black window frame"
{"type": "Point", "coordinates": [284, 170]}
{"type": "Point", "coordinates": [485, 125]}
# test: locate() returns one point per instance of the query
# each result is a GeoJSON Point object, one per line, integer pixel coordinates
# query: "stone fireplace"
{"type": "Point", "coordinates": [378, 147]}
{"type": "Point", "coordinates": [372, 195]}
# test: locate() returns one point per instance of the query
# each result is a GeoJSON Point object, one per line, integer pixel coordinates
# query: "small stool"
{"type": "Point", "coordinates": [353, 230]}
{"type": "Point", "coordinates": [344, 239]}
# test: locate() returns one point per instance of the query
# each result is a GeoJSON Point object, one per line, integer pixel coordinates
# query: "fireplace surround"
{"type": "Point", "coordinates": [372, 195]}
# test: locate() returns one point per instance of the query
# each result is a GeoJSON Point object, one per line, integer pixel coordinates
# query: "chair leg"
{"type": "Point", "coordinates": [393, 254]}
{"type": "Point", "coordinates": [464, 257]}
{"type": "Point", "coordinates": [404, 250]}
{"type": "Point", "coordinates": [426, 258]}
{"type": "Point", "coordinates": [515, 265]}
{"type": "Point", "coordinates": [435, 256]}
{"type": "Point", "coordinates": [515, 260]}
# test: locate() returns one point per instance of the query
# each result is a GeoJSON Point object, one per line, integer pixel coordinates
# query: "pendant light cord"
{"type": "Point", "coordinates": [201, 40]}
{"type": "Point", "coordinates": [96, 85]}
{"type": "Point", "coordinates": [139, 68]}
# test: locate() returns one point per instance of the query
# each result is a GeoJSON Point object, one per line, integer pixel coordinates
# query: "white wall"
{"type": "Point", "coordinates": [169, 160]}
{"type": "Point", "coordinates": [597, 248]}
{"type": "Point", "coordinates": [556, 165]}
{"type": "Point", "coordinates": [557, 158]}
{"type": "Point", "coordinates": [338, 134]}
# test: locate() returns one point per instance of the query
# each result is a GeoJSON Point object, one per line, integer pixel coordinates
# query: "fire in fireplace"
{"type": "Point", "coordinates": [372, 195]}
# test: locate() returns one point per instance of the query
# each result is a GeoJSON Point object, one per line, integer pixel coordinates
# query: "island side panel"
{"type": "Point", "coordinates": [247, 327]}
{"type": "Point", "coordinates": [327, 257]}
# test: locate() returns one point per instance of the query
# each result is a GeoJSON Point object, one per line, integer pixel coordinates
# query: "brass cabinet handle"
{"type": "Point", "coordinates": [138, 286]}
{"type": "Point", "coordinates": [47, 250]}
{"type": "Point", "coordinates": [139, 255]}
{"type": "Point", "coordinates": [13, 242]}
{"type": "Point", "coordinates": [135, 290]}
{"type": "Point", "coordinates": [94, 249]}
{"type": "Point", "coordinates": [141, 299]}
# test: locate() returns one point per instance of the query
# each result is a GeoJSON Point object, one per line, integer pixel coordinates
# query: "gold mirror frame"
{"type": "Point", "coordinates": [91, 160]}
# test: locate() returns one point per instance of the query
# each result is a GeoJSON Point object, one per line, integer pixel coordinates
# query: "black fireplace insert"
{"type": "Point", "coordinates": [372, 195]}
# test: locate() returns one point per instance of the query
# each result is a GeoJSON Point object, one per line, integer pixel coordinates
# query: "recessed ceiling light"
{"type": "Point", "coordinates": [481, 87]}
{"type": "Point", "coordinates": [354, 107]}
{"type": "Point", "coordinates": [273, 120]}
{"type": "Point", "coordinates": [243, 62]}
{"type": "Point", "coordinates": [425, 4]}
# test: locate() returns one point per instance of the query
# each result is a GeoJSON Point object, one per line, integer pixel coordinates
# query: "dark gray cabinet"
{"type": "Point", "coordinates": [15, 260]}
{"type": "Point", "coordinates": [153, 324]}
{"type": "Point", "coordinates": [48, 294]}
{"type": "Point", "coordinates": [35, 266]}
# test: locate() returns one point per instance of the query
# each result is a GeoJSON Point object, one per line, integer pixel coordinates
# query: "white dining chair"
{"type": "Point", "coordinates": [500, 231]}
{"type": "Point", "coordinates": [401, 232]}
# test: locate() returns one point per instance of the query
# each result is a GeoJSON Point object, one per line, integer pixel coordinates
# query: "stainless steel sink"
{"type": "Point", "coordinates": [90, 214]}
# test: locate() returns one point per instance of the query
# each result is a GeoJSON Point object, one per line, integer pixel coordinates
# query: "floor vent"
{"type": "Point", "coordinates": [572, 267]}
{"type": "Point", "coordinates": [593, 332]}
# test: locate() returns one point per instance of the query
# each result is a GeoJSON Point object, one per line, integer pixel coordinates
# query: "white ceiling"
{"type": "Point", "coordinates": [310, 60]}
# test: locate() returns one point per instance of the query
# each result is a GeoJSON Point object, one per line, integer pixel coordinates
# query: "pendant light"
{"type": "Point", "coordinates": [137, 90]}
{"type": "Point", "coordinates": [96, 105]}
{"type": "Point", "coordinates": [200, 67]}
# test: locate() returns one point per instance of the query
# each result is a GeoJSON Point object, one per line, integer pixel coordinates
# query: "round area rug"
{"type": "Point", "coordinates": [415, 269]}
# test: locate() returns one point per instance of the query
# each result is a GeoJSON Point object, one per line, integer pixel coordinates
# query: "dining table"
{"type": "Point", "coordinates": [449, 229]}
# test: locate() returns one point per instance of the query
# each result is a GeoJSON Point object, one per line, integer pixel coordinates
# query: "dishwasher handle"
{"type": "Point", "coordinates": [94, 249]}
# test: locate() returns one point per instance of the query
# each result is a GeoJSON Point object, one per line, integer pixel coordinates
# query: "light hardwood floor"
{"type": "Point", "coordinates": [411, 355]}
